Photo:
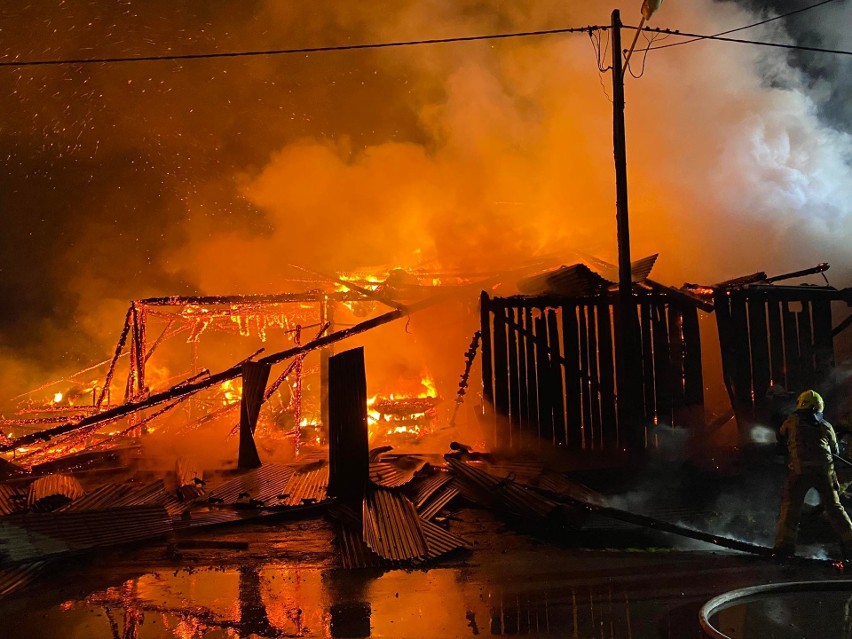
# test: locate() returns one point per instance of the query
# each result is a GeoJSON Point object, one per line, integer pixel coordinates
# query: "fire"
{"type": "Point", "coordinates": [57, 397]}
{"type": "Point", "coordinates": [398, 414]}
{"type": "Point", "coordinates": [231, 391]}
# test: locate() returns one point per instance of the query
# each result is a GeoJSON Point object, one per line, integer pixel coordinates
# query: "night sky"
{"type": "Point", "coordinates": [119, 181]}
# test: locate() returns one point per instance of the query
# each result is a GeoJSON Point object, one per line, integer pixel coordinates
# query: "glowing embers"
{"type": "Point", "coordinates": [407, 415]}
{"type": "Point", "coordinates": [247, 319]}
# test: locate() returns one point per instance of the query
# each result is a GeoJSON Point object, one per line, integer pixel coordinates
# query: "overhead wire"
{"type": "Point", "coordinates": [748, 26]}
{"type": "Point", "coordinates": [779, 45]}
{"type": "Point", "coordinates": [296, 51]}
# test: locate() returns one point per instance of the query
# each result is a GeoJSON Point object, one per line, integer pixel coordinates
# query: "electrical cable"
{"type": "Point", "coordinates": [306, 50]}
{"type": "Point", "coordinates": [749, 26]}
{"type": "Point", "coordinates": [778, 45]}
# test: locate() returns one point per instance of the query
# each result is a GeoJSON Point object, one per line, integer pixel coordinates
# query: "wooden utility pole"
{"type": "Point", "coordinates": [628, 359]}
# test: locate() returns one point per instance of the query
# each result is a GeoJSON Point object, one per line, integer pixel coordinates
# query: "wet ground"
{"type": "Point", "coordinates": [282, 580]}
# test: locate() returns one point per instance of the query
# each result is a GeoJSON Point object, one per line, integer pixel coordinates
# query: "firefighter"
{"type": "Point", "coordinates": [811, 443]}
{"type": "Point", "coordinates": [844, 435]}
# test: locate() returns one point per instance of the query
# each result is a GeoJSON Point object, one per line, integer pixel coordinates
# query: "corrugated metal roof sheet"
{"type": "Point", "coordinates": [502, 494]}
{"type": "Point", "coordinates": [439, 500]}
{"type": "Point", "coordinates": [391, 526]}
{"type": "Point", "coordinates": [306, 487]}
{"type": "Point", "coordinates": [12, 499]}
{"type": "Point", "coordinates": [576, 281]}
{"type": "Point", "coordinates": [260, 485]}
{"type": "Point", "coordinates": [440, 541]}
{"type": "Point", "coordinates": [355, 554]}
{"type": "Point", "coordinates": [18, 577]}
{"type": "Point", "coordinates": [38, 535]}
{"type": "Point", "coordinates": [392, 473]}
{"type": "Point", "coordinates": [102, 497]}
{"type": "Point", "coordinates": [52, 491]}
{"type": "Point", "coordinates": [428, 485]}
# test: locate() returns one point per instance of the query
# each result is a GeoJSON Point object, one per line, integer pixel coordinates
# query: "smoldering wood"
{"type": "Point", "coordinates": [348, 445]}
{"type": "Point", "coordinates": [187, 390]}
{"type": "Point", "coordinates": [119, 347]}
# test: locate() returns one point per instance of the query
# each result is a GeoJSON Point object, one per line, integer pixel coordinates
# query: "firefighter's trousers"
{"type": "Point", "coordinates": [795, 488]}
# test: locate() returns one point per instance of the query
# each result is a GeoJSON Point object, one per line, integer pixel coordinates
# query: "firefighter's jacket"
{"type": "Point", "coordinates": [811, 442]}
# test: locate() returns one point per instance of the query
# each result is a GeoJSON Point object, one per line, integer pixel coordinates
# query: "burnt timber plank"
{"type": "Point", "coordinates": [694, 386]}
{"type": "Point", "coordinates": [742, 372]}
{"type": "Point", "coordinates": [776, 343]}
{"type": "Point", "coordinates": [823, 338]}
{"type": "Point", "coordinates": [573, 400]}
{"type": "Point", "coordinates": [761, 371]}
{"type": "Point", "coordinates": [556, 380]}
{"type": "Point", "coordinates": [545, 399]}
{"type": "Point", "coordinates": [791, 349]}
{"type": "Point", "coordinates": [662, 363]}
{"type": "Point", "coordinates": [607, 376]}
{"type": "Point", "coordinates": [487, 364]}
{"type": "Point", "coordinates": [514, 400]}
{"type": "Point", "coordinates": [675, 328]}
{"type": "Point", "coordinates": [806, 344]}
{"type": "Point", "coordinates": [532, 376]}
{"type": "Point", "coordinates": [523, 377]}
{"type": "Point", "coordinates": [588, 424]}
{"type": "Point", "coordinates": [645, 315]}
{"type": "Point", "coordinates": [501, 371]}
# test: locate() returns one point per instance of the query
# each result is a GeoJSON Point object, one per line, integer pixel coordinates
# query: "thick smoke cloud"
{"type": "Point", "coordinates": [121, 181]}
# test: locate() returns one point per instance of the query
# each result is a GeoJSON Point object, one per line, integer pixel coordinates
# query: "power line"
{"type": "Point", "coordinates": [779, 45]}
{"type": "Point", "coordinates": [748, 26]}
{"type": "Point", "coordinates": [307, 50]}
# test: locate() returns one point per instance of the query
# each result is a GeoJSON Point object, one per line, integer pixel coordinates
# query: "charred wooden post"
{"type": "Point", "coordinates": [348, 446]}
{"type": "Point", "coordinates": [255, 376]}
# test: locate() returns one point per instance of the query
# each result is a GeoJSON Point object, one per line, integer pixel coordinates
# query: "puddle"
{"type": "Point", "coordinates": [278, 600]}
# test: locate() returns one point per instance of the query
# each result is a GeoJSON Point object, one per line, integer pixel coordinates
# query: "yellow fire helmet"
{"type": "Point", "coordinates": [810, 399]}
